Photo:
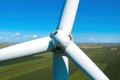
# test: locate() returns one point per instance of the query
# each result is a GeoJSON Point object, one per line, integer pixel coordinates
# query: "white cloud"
{"type": "Point", "coordinates": [1, 32]}
{"type": "Point", "coordinates": [17, 34]}
{"type": "Point", "coordinates": [1, 38]}
{"type": "Point", "coordinates": [34, 36]}
{"type": "Point", "coordinates": [4, 33]}
{"type": "Point", "coordinates": [91, 39]}
{"type": "Point", "coordinates": [27, 36]}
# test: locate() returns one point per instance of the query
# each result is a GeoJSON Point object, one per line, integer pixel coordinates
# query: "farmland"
{"type": "Point", "coordinates": [39, 67]}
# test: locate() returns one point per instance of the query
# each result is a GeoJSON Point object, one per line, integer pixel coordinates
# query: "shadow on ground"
{"type": "Point", "coordinates": [20, 60]}
{"type": "Point", "coordinates": [113, 71]}
{"type": "Point", "coordinates": [42, 74]}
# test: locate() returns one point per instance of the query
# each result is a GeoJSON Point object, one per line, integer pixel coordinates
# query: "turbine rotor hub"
{"type": "Point", "coordinates": [61, 39]}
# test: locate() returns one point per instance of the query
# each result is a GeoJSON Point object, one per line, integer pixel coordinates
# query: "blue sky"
{"type": "Point", "coordinates": [96, 21]}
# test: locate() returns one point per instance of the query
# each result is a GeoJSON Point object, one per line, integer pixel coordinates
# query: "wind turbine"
{"type": "Point", "coordinates": [61, 44]}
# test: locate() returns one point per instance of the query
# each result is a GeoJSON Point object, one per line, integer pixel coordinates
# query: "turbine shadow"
{"type": "Point", "coordinates": [113, 71]}
{"type": "Point", "coordinates": [20, 60]}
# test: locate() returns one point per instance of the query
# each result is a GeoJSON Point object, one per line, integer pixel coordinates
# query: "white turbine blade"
{"type": "Point", "coordinates": [60, 67]}
{"type": "Point", "coordinates": [84, 63]}
{"type": "Point", "coordinates": [68, 15]}
{"type": "Point", "coordinates": [26, 48]}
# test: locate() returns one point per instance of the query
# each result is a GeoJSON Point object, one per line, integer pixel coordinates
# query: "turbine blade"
{"type": "Point", "coordinates": [84, 63]}
{"type": "Point", "coordinates": [60, 67]}
{"type": "Point", "coordinates": [26, 48]}
{"type": "Point", "coordinates": [68, 15]}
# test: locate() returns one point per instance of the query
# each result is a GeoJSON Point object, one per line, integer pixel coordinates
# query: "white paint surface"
{"type": "Point", "coordinates": [26, 48]}
{"type": "Point", "coordinates": [84, 62]}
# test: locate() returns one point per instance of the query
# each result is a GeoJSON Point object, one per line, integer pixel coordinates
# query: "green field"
{"type": "Point", "coordinates": [39, 67]}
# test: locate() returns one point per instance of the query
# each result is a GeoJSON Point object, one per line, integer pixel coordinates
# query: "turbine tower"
{"type": "Point", "coordinates": [60, 42]}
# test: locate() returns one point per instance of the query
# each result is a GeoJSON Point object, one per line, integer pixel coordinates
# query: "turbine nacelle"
{"type": "Point", "coordinates": [60, 39]}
